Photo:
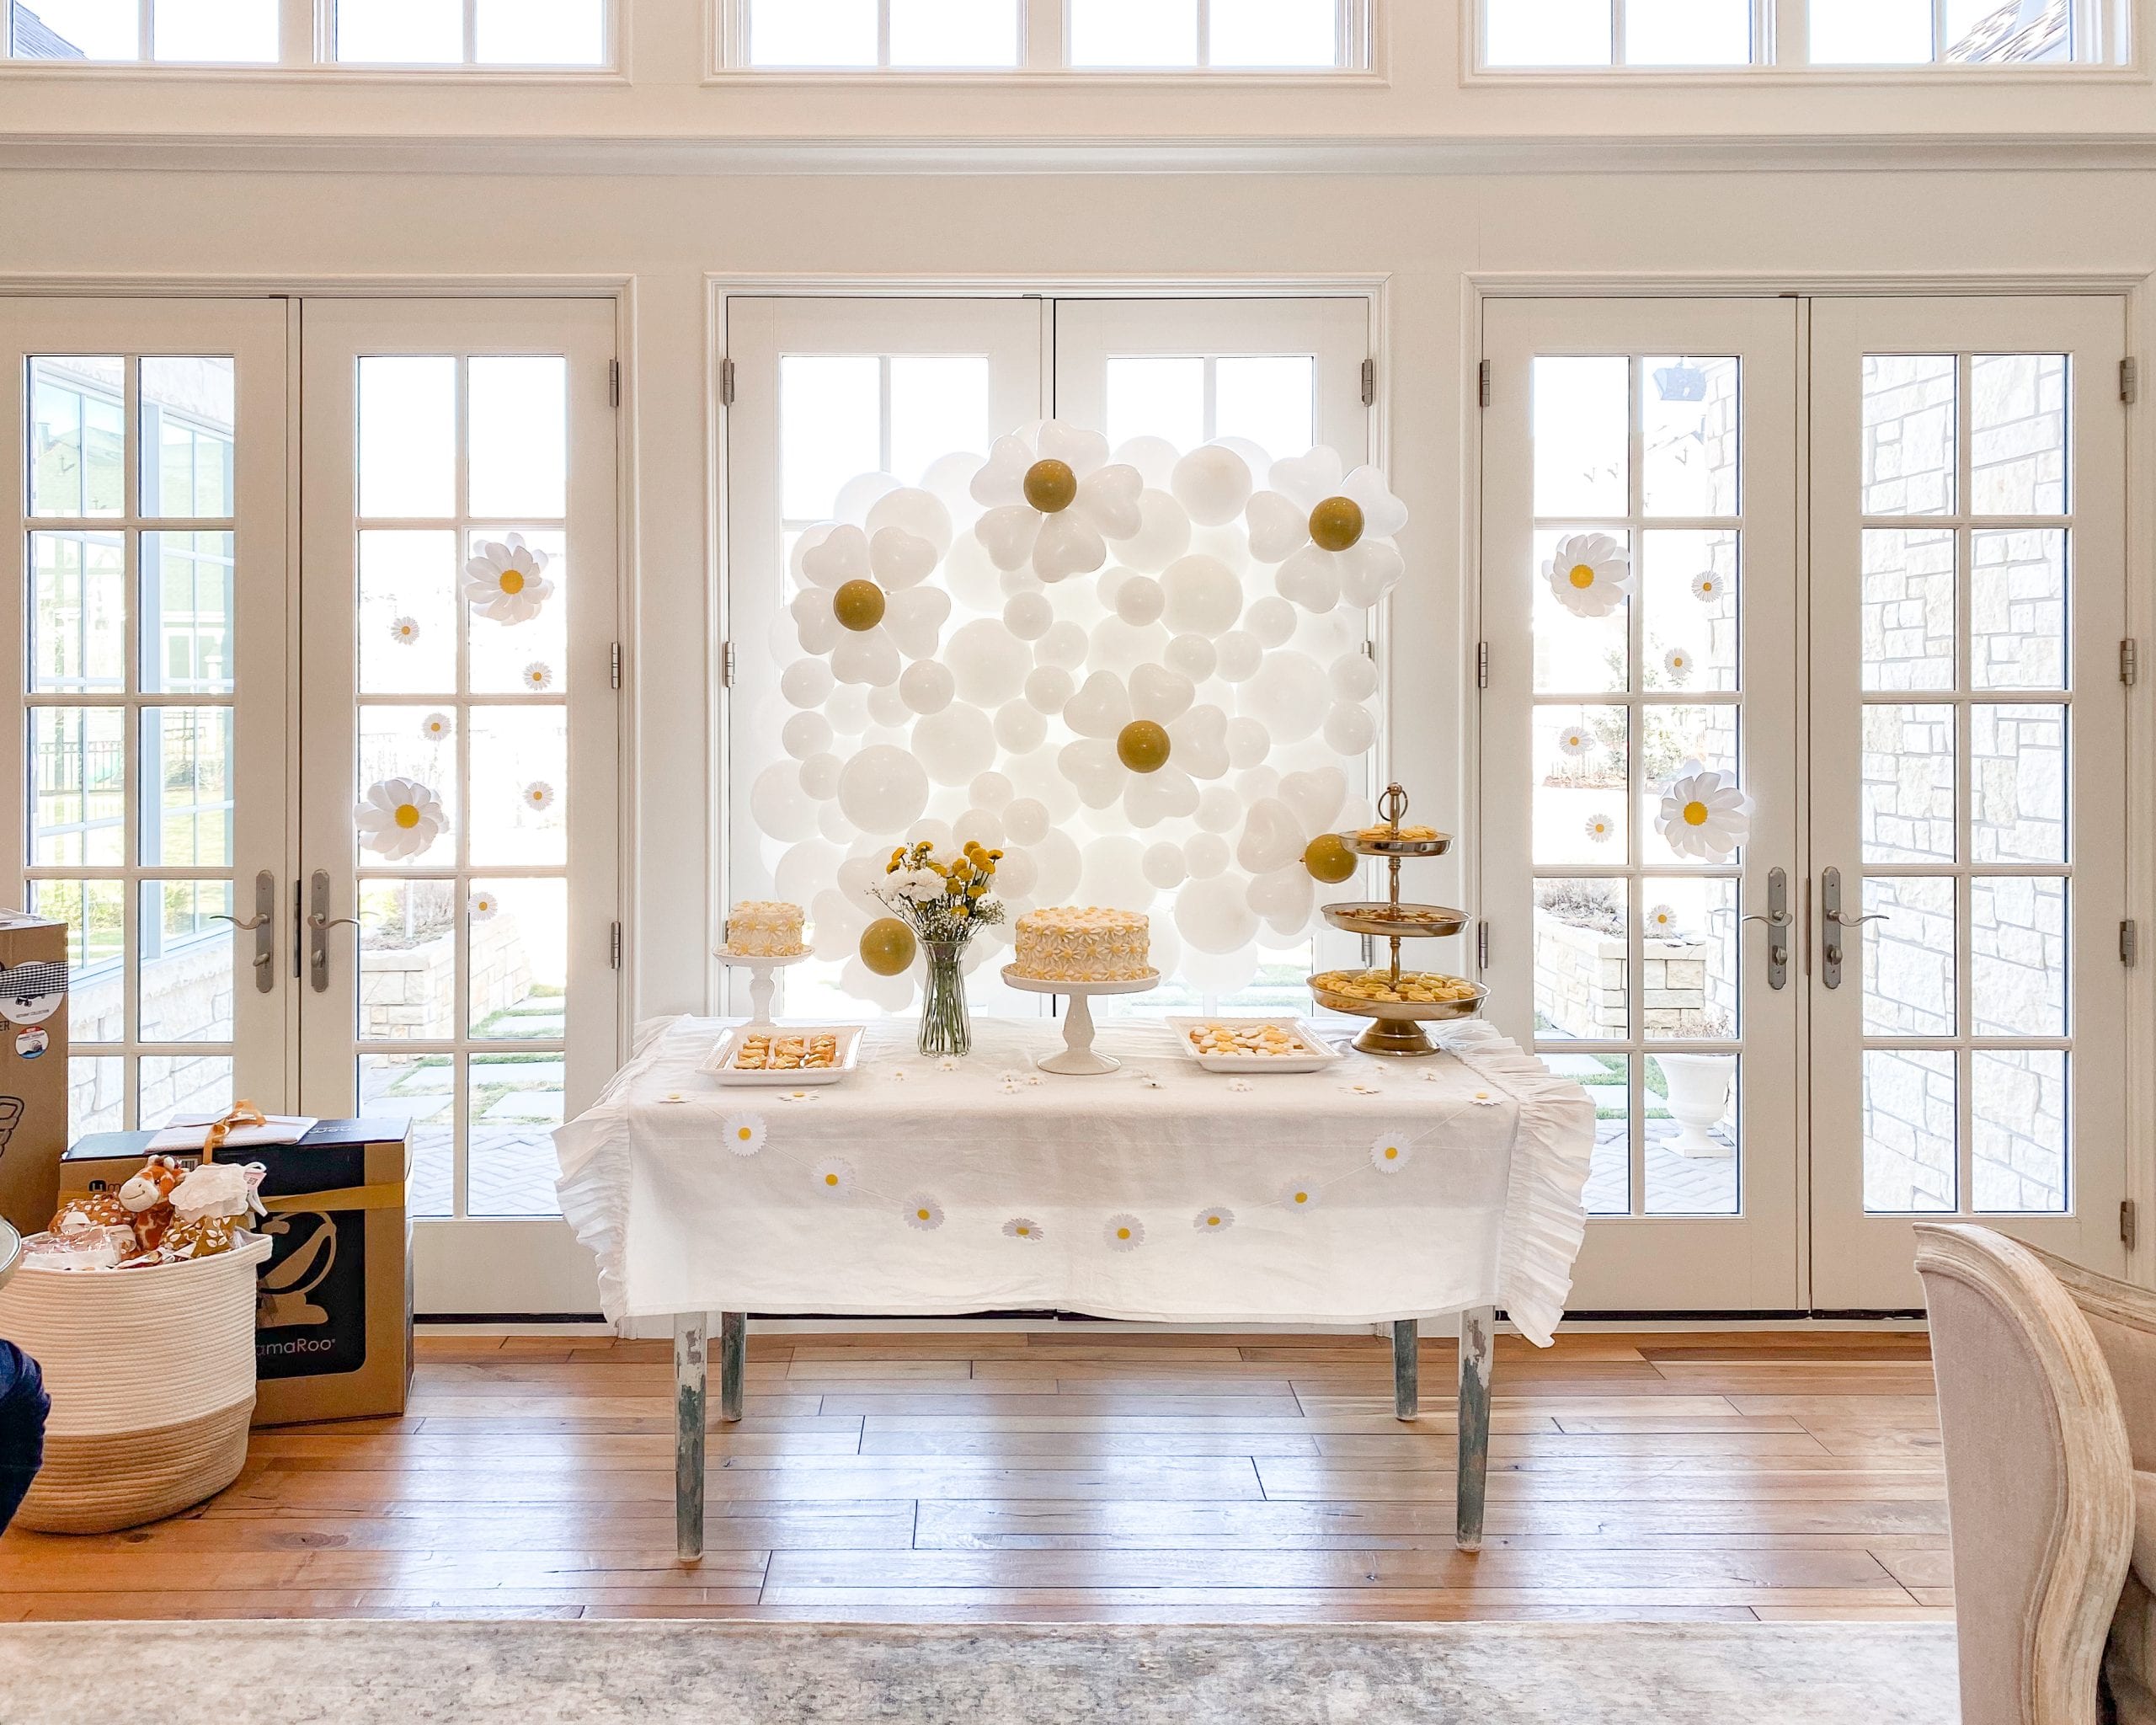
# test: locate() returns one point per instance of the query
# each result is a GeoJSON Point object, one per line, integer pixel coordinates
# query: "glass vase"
{"type": "Point", "coordinates": [945, 1028]}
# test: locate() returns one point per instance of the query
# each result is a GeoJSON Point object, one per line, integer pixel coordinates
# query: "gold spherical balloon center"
{"type": "Point", "coordinates": [1142, 747]}
{"type": "Point", "coordinates": [1336, 524]}
{"type": "Point", "coordinates": [1327, 859]}
{"type": "Point", "coordinates": [886, 946]}
{"type": "Point", "coordinates": [1050, 486]}
{"type": "Point", "coordinates": [858, 606]}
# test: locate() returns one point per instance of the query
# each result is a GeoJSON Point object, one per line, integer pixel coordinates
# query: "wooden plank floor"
{"type": "Point", "coordinates": [1090, 1475]}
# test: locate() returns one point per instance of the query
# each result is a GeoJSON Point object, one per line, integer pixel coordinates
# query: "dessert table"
{"type": "Point", "coordinates": [1375, 1191]}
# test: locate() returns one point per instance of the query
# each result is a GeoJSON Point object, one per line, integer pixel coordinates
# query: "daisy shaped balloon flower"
{"type": "Point", "coordinates": [1143, 741]}
{"type": "Point", "coordinates": [1053, 498]}
{"type": "Point", "coordinates": [861, 601]}
{"type": "Point", "coordinates": [506, 579]}
{"type": "Point", "coordinates": [1703, 813]}
{"type": "Point", "coordinates": [1330, 531]}
{"type": "Point", "coordinates": [1590, 574]}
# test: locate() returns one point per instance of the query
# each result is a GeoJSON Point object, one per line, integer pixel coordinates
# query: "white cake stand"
{"type": "Point", "coordinates": [1078, 1059]}
{"type": "Point", "coordinates": [763, 985]}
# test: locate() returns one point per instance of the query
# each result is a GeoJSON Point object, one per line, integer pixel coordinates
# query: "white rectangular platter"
{"type": "Point", "coordinates": [719, 1062]}
{"type": "Point", "coordinates": [1312, 1053]}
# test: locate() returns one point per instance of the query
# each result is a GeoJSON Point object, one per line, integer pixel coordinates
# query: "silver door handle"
{"type": "Point", "coordinates": [1833, 920]}
{"type": "Point", "coordinates": [1778, 920]}
{"type": "Point", "coordinates": [260, 925]}
{"type": "Point", "coordinates": [319, 923]}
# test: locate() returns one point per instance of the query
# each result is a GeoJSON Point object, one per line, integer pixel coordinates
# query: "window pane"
{"type": "Point", "coordinates": [1140, 33]}
{"type": "Point", "coordinates": [1581, 946]}
{"type": "Point", "coordinates": [1260, 33]}
{"type": "Point", "coordinates": [1907, 612]}
{"type": "Point", "coordinates": [1546, 33]}
{"type": "Point", "coordinates": [529, 657]}
{"type": "Point", "coordinates": [420, 1090]}
{"type": "Point", "coordinates": [1579, 791]}
{"type": "Point", "coordinates": [187, 754]}
{"type": "Point", "coordinates": [79, 621]}
{"type": "Point", "coordinates": [2017, 955]}
{"type": "Point", "coordinates": [1581, 437]}
{"type": "Point", "coordinates": [519, 433]}
{"type": "Point", "coordinates": [78, 781]}
{"type": "Point", "coordinates": [1906, 807]}
{"type": "Point", "coordinates": [408, 611]}
{"type": "Point", "coordinates": [1908, 1131]}
{"type": "Point", "coordinates": [1688, 584]}
{"type": "Point", "coordinates": [1870, 32]}
{"type": "Point", "coordinates": [408, 961]}
{"type": "Point", "coordinates": [1688, 33]}
{"type": "Point", "coordinates": [519, 959]}
{"type": "Point", "coordinates": [1607, 1082]}
{"type": "Point", "coordinates": [939, 402]}
{"type": "Point", "coordinates": [516, 1103]}
{"type": "Point", "coordinates": [541, 33]}
{"type": "Point", "coordinates": [407, 436]}
{"type": "Point", "coordinates": [187, 613]}
{"type": "Point", "coordinates": [1908, 958]}
{"type": "Point", "coordinates": [231, 30]}
{"type": "Point", "coordinates": [167, 1085]}
{"type": "Point", "coordinates": [77, 30]}
{"type": "Point", "coordinates": [407, 32]}
{"type": "Point", "coordinates": [1269, 399]}
{"type": "Point", "coordinates": [78, 437]}
{"type": "Point", "coordinates": [520, 785]}
{"type": "Point", "coordinates": [2017, 433]}
{"type": "Point", "coordinates": [1156, 395]}
{"type": "Point", "coordinates": [187, 436]}
{"type": "Point", "coordinates": [2017, 609]}
{"type": "Point", "coordinates": [1909, 433]}
{"type": "Point", "coordinates": [1576, 654]}
{"type": "Point", "coordinates": [954, 33]}
{"type": "Point", "coordinates": [1688, 436]}
{"type": "Point", "coordinates": [97, 1096]}
{"type": "Point", "coordinates": [2017, 1103]}
{"type": "Point", "coordinates": [2017, 773]}
{"type": "Point", "coordinates": [812, 33]}
{"type": "Point", "coordinates": [397, 742]}
{"type": "Point", "coordinates": [95, 912]}
{"type": "Point", "coordinates": [1691, 1129]}
{"type": "Point", "coordinates": [186, 961]}
{"type": "Point", "coordinates": [1986, 31]}
{"type": "Point", "coordinates": [1673, 737]}
{"type": "Point", "coordinates": [830, 428]}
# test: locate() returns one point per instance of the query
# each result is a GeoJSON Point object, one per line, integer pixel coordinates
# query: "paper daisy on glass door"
{"type": "Point", "coordinates": [399, 818]}
{"type": "Point", "coordinates": [538, 676]}
{"type": "Point", "coordinates": [538, 797]}
{"type": "Point", "coordinates": [1590, 574]}
{"type": "Point", "coordinates": [1679, 663]}
{"type": "Point", "coordinates": [1601, 829]}
{"type": "Point", "coordinates": [436, 728]}
{"type": "Point", "coordinates": [1662, 923]}
{"type": "Point", "coordinates": [485, 905]}
{"type": "Point", "coordinates": [1703, 813]}
{"type": "Point", "coordinates": [505, 580]}
{"type": "Point", "coordinates": [1574, 741]}
{"type": "Point", "coordinates": [1707, 586]}
{"type": "Point", "coordinates": [404, 630]}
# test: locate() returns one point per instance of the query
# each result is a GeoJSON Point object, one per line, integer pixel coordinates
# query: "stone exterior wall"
{"type": "Point", "coordinates": [1579, 982]}
{"type": "Point", "coordinates": [410, 994]}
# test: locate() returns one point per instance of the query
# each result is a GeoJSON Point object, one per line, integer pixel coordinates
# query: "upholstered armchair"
{"type": "Point", "coordinates": [2047, 1405]}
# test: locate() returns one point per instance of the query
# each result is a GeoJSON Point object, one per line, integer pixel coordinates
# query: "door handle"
{"type": "Point", "coordinates": [1778, 920]}
{"type": "Point", "coordinates": [1832, 922]}
{"type": "Point", "coordinates": [262, 925]}
{"type": "Point", "coordinates": [319, 923]}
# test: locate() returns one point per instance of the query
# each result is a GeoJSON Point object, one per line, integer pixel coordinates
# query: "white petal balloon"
{"type": "Point", "coordinates": [1249, 742]}
{"type": "Point", "coordinates": [1092, 768]}
{"type": "Point", "coordinates": [1272, 837]}
{"type": "Point", "coordinates": [917, 511]}
{"type": "Point", "coordinates": [1198, 741]}
{"type": "Point", "coordinates": [912, 620]}
{"type": "Point", "coordinates": [1277, 529]}
{"type": "Point", "coordinates": [1160, 694]}
{"type": "Point", "coordinates": [830, 556]}
{"type": "Point", "coordinates": [1193, 655]}
{"type": "Point", "coordinates": [899, 559]}
{"type": "Point", "coordinates": [1101, 707]}
{"type": "Point", "coordinates": [1163, 534]}
{"type": "Point", "coordinates": [870, 660]}
{"type": "Point", "coordinates": [1151, 797]}
{"type": "Point", "coordinates": [1315, 798]}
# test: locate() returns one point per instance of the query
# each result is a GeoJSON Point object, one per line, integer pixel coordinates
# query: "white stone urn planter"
{"type": "Point", "coordinates": [1698, 1099]}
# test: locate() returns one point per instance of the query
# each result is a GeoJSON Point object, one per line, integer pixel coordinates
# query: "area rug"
{"type": "Point", "coordinates": [748, 1674]}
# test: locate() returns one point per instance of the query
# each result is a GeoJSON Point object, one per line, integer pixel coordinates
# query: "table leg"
{"type": "Point", "coordinates": [1475, 1325]}
{"type": "Point", "coordinates": [688, 1434]}
{"type": "Point", "coordinates": [1406, 1369]}
{"type": "Point", "coordinates": [733, 1351]}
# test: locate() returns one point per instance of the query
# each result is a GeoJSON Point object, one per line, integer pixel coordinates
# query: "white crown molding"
{"type": "Point", "coordinates": [1340, 156]}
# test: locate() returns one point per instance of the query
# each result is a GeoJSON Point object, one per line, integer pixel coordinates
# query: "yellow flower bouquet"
{"type": "Point", "coordinates": [941, 903]}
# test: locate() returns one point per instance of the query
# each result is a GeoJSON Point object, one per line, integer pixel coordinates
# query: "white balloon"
{"type": "Point", "coordinates": [1220, 973]}
{"type": "Point", "coordinates": [1354, 675]}
{"type": "Point", "coordinates": [986, 662]}
{"type": "Point", "coordinates": [978, 826]}
{"type": "Point", "coordinates": [1204, 596]}
{"type": "Point", "coordinates": [1118, 646]}
{"type": "Point", "coordinates": [1220, 810]}
{"type": "Point", "coordinates": [1257, 784]}
{"type": "Point", "coordinates": [846, 706]}
{"type": "Point", "coordinates": [1114, 874]}
{"type": "Point", "coordinates": [1310, 578]}
{"type": "Point", "coordinates": [990, 791]}
{"type": "Point", "coordinates": [1369, 572]}
{"type": "Point", "coordinates": [937, 831]}
{"type": "Point", "coordinates": [870, 660]}
{"type": "Point", "coordinates": [914, 510]}
{"type": "Point", "coordinates": [1212, 916]}
{"type": "Point", "coordinates": [1026, 820]}
{"type": "Point", "coordinates": [1200, 740]}
{"type": "Point", "coordinates": [972, 576]}
{"type": "Point", "coordinates": [860, 495]}
{"type": "Point", "coordinates": [819, 777]}
{"type": "Point", "coordinates": [1057, 858]}
{"type": "Point", "coordinates": [806, 682]}
{"type": "Point", "coordinates": [1063, 646]}
{"type": "Point", "coordinates": [1139, 600]}
{"type": "Point", "coordinates": [1350, 728]}
{"type": "Point", "coordinates": [1154, 458]}
{"type": "Point", "coordinates": [1160, 694]}
{"type": "Point", "coordinates": [805, 870]}
{"type": "Point", "coordinates": [1049, 688]}
{"type": "Point", "coordinates": [1091, 764]}
{"type": "Point", "coordinates": [858, 877]}
{"type": "Point", "coordinates": [1256, 456]}
{"type": "Point", "coordinates": [1239, 656]}
{"type": "Point", "coordinates": [1213, 484]}
{"type": "Point", "coordinates": [1229, 544]}
{"type": "Point", "coordinates": [882, 789]}
{"type": "Point", "coordinates": [1164, 867]}
{"type": "Point", "coordinates": [1166, 945]}
{"type": "Point", "coordinates": [1289, 693]}
{"type": "Point", "coordinates": [1038, 774]}
{"type": "Point", "coordinates": [888, 707]}
{"type": "Point", "coordinates": [950, 478]}
{"type": "Point", "coordinates": [1205, 854]}
{"type": "Point", "coordinates": [1019, 727]}
{"type": "Point", "coordinates": [782, 809]}
{"type": "Point", "coordinates": [1249, 742]}
{"type": "Point", "coordinates": [1272, 619]}
{"type": "Point", "coordinates": [955, 743]}
{"type": "Point", "coordinates": [893, 994]}
{"type": "Point", "coordinates": [1151, 797]}
{"type": "Point", "coordinates": [926, 686]}
{"type": "Point", "coordinates": [1272, 837]}
{"type": "Point", "coordinates": [837, 916]}
{"type": "Point", "coordinates": [1163, 533]}
{"type": "Point", "coordinates": [1283, 896]}
{"type": "Point", "coordinates": [806, 734]}
{"type": "Point", "coordinates": [1193, 655]}
{"type": "Point", "coordinates": [1028, 616]}
{"type": "Point", "coordinates": [1316, 797]}
{"type": "Point", "coordinates": [832, 824]}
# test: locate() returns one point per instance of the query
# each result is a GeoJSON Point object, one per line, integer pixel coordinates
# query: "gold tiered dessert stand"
{"type": "Point", "coordinates": [1396, 1026]}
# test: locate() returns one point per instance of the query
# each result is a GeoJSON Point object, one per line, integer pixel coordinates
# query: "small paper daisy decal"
{"type": "Point", "coordinates": [1574, 741]}
{"type": "Point", "coordinates": [1123, 1233]}
{"type": "Point", "coordinates": [539, 796]}
{"type": "Point", "coordinates": [404, 630]}
{"type": "Point", "coordinates": [1678, 663]}
{"type": "Point", "coordinates": [743, 1134]}
{"type": "Point", "coordinates": [923, 1213]}
{"type": "Point", "coordinates": [1662, 921]}
{"type": "Point", "coordinates": [435, 727]}
{"type": "Point", "coordinates": [834, 1176]}
{"type": "Point", "coordinates": [538, 675]}
{"type": "Point", "coordinates": [1389, 1153]}
{"type": "Point", "coordinates": [1239, 1084]}
{"type": "Point", "coordinates": [1215, 1218]}
{"type": "Point", "coordinates": [1485, 1099]}
{"type": "Point", "coordinates": [1024, 1228]}
{"type": "Point", "coordinates": [1707, 586]}
{"type": "Point", "coordinates": [485, 905]}
{"type": "Point", "coordinates": [1601, 829]}
{"type": "Point", "coordinates": [1299, 1196]}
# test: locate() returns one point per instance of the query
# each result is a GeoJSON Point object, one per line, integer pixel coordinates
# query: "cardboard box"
{"type": "Point", "coordinates": [32, 1067]}
{"type": "Point", "coordinates": [332, 1337]}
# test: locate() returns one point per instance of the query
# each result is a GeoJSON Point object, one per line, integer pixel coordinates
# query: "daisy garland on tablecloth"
{"type": "Point", "coordinates": [834, 1176]}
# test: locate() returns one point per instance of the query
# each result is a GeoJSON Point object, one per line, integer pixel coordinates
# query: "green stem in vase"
{"type": "Point", "coordinates": [945, 1026]}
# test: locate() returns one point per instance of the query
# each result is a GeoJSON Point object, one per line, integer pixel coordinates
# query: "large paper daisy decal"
{"type": "Point", "coordinates": [1054, 499]}
{"type": "Point", "coordinates": [505, 580]}
{"type": "Point", "coordinates": [1703, 813]}
{"type": "Point", "coordinates": [1590, 574]}
{"type": "Point", "coordinates": [399, 818]}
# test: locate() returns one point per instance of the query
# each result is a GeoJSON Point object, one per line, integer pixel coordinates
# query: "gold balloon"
{"type": "Point", "coordinates": [1142, 747]}
{"type": "Point", "coordinates": [1050, 486]}
{"type": "Point", "coordinates": [886, 946]}
{"type": "Point", "coordinates": [858, 606]}
{"type": "Point", "coordinates": [1327, 859]}
{"type": "Point", "coordinates": [1335, 523]}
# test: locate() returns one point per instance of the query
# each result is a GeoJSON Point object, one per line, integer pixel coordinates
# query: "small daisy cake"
{"type": "Point", "coordinates": [765, 928]}
{"type": "Point", "coordinates": [1074, 943]}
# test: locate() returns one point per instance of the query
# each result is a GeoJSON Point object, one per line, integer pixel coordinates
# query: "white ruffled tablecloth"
{"type": "Point", "coordinates": [1160, 1193]}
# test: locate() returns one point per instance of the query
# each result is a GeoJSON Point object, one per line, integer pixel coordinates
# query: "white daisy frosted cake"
{"type": "Point", "coordinates": [1074, 943]}
{"type": "Point", "coordinates": [766, 928]}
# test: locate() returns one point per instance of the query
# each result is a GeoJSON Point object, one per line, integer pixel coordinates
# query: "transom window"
{"type": "Point", "coordinates": [1084, 35]}
{"type": "Point", "coordinates": [512, 34]}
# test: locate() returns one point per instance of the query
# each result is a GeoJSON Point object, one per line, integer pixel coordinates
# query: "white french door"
{"type": "Point", "coordinates": [144, 799]}
{"type": "Point", "coordinates": [1900, 633]}
{"type": "Point", "coordinates": [459, 617]}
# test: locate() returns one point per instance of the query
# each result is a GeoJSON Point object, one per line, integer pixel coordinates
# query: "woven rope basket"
{"type": "Point", "coordinates": [152, 1376]}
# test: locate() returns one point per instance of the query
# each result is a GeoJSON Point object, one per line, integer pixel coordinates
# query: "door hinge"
{"type": "Point", "coordinates": [1483, 383]}
{"type": "Point", "coordinates": [726, 665]}
{"type": "Point", "coordinates": [2129, 381]}
{"type": "Point", "coordinates": [613, 946]}
{"type": "Point", "coordinates": [614, 666]}
{"type": "Point", "coordinates": [2130, 661]}
{"type": "Point", "coordinates": [2129, 1223]}
{"type": "Point", "coordinates": [1482, 946]}
{"type": "Point", "coordinates": [726, 383]}
{"type": "Point", "coordinates": [1481, 664]}
{"type": "Point", "coordinates": [1369, 383]}
{"type": "Point", "coordinates": [614, 382]}
{"type": "Point", "coordinates": [2129, 942]}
